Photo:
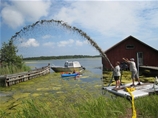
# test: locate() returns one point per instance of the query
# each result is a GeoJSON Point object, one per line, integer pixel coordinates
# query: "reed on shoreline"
{"type": "Point", "coordinates": [59, 98]}
{"type": "Point", "coordinates": [13, 69]}
{"type": "Point", "coordinates": [86, 106]}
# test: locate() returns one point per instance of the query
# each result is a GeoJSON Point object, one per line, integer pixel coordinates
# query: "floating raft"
{"type": "Point", "coordinates": [144, 89]}
{"type": "Point", "coordinates": [69, 74]}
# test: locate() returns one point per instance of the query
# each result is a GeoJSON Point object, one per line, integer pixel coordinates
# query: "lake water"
{"type": "Point", "coordinates": [91, 77]}
{"type": "Point", "coordinates": [93, 66]}
{"type": "Point", "coordinates": [53, 85]}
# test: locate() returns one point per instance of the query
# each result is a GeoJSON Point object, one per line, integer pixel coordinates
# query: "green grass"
{"type": "Point", "coordinates": [147, 107]}
{"type": "Point", "coordinates": [13, 69]}
{"type": "Point", "coordinates": [86, 106]}
{"type": "Point", "coordinates": [53, 97]}
{"type": "Point", "coordinates": [126, 78]}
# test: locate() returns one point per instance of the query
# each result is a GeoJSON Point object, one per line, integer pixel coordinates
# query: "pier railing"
{"type": "Point", "coordinates": [11, 79]}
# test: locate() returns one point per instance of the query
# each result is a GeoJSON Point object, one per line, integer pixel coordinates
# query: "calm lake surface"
{"type": "Point", "coordinates": [53, 87]}
{"type": "Point", "coordinates": [92, 65]}
{"type": "Point", "coordinates": [53, 83]}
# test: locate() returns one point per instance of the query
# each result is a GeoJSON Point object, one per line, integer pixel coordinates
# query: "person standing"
{"type": "Point", "coordinates": [133, 69]}
{"type": "Point", "coordinates": [117, 74]}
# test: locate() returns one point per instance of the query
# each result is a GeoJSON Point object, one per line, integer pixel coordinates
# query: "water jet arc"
{"type": "Point", "coordinates": [64, 25]}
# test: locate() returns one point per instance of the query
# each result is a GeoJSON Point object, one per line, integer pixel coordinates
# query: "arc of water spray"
{"type": "Point", "coordinates": [94, 44]}
{"type": "Point", "coordinates": [65, 25]}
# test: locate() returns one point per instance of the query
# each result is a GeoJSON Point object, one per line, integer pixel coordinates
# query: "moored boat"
{"type": "Point", "coordinates": [69, 74]}
{"type": "Point", "coordinates": [69, 66]}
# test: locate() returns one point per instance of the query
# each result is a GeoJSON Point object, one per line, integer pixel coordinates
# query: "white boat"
{"type": "Point", "coordinates": [69, 66]}
{"type": "Point", "coordinates": [144, 89]}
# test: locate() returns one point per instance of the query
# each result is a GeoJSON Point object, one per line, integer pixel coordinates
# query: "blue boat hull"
{"type": "Point", "coordinates": [69, 75]}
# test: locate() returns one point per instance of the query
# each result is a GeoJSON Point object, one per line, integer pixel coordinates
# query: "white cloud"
{"type": "Point", "coordinates": [71, 42]}
{"type": "Point", "coordinates": [80, 43]}
{"type": "Point", "coordinates": [47, 37]}
{"type": "Point", "coordinates": [110, 18]}
{"type": "Point", "coordinates": [16, 13]}
{"type": "Point", "coordinates": [12, 17]}
{"type": "Point", "coordinates": [30, 43]}
{"type": "Point", "coordinates": [65, 43]}
{"type": "Point", "coordinates": [37, 8]}
{"type": "Point", "coordinates": [50, 44]}
{"type": "Point", "coordinates": [108, 22]}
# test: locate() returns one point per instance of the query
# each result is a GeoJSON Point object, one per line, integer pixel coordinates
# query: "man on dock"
{"type": "Point", "coordinates": [133, 69]}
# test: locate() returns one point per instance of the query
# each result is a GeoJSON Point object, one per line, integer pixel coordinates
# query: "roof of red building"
{"type": "Point", "coordinates": [128, 38]}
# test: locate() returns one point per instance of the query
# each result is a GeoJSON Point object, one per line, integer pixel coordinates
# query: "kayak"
{"type": "Point", "coordinates": [69, 74]}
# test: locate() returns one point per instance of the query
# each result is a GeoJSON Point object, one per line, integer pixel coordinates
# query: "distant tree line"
{"type": "Point", "coordinates": [10, 62]}
{"type": "Point", "coordinates": [60, 57]}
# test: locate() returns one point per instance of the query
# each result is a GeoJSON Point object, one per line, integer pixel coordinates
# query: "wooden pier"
{"type": "Point", "coordinates": [149, 71]}
{"type": "Point", "coordinates": [11, 79]}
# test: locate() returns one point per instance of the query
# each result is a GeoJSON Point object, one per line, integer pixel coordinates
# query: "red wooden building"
{"type": "Point", "coordinates": [131, 47]}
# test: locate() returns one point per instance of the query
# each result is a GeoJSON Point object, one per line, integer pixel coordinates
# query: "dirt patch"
{"type": "Point", "coordinates": [128, 113]}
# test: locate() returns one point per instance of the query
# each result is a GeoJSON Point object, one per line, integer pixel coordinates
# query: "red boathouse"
{"type": "Point", "coordinates": [131, 47]}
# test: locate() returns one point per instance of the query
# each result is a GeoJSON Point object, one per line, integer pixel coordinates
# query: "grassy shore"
{"type": "Point", "coordinates": [52, 97]}
{"type": "Point", "coordinates": [13, 69]}
{"type": "Point", "coordinates": [125, 78]}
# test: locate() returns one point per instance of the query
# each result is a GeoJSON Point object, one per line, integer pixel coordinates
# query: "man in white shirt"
{"type": "Point", "coordinates": [133, 69]}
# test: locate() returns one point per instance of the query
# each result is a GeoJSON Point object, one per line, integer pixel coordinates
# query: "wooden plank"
{"type": "Point", "coordinates": [149, 67]}
{"type": "Point", "coordinates": [11, 79]}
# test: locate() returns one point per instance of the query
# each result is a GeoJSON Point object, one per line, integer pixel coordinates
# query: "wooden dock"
{"type": "Point", "coordinates": [11, 79]}
{"type": "Point", "coordinates": [151, 71]}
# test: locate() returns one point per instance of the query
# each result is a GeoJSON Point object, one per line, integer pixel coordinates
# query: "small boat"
{"type": "Point", "coordinates": [69, 74]}
{"type": "Point", "coordinates": [144, 89]}
{"type": "Point", "coordinates": [69, 66]}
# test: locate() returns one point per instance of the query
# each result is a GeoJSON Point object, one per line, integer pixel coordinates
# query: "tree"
{"type": "Point", "coordinates": [8, 55]}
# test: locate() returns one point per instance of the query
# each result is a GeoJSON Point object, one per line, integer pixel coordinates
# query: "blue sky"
{"type": "Point", "coordinates": [106, 22]}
